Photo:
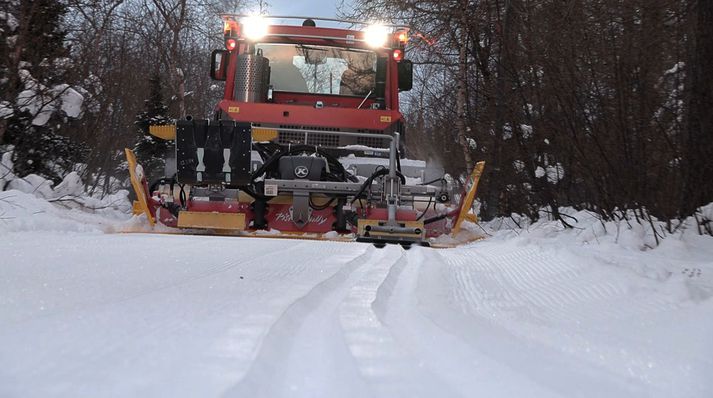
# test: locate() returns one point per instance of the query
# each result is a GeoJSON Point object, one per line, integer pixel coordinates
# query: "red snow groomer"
{"type": "Point", "coordinates": [305, 142]}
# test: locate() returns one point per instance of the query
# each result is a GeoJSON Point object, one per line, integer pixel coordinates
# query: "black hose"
{"type": "Point", "coordinates": [434, 219]}
{"type": "Point", "coordinates": [378, 173]}
{"type": "Point", "coordinates": [367, 183]}
{"type": "Point", "coordinates": [437, 179]}
{"type": "Point", "coordinates": [430, 199]}
{"type": "Point", "coordinates": [322, 207]}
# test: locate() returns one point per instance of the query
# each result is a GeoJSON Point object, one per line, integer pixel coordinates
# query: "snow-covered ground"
{"type": "Point", "coordinates": [86, 311]}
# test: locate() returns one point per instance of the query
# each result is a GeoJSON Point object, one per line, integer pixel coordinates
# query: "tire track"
{"type": "Point", "coordinates": [559, 308]}
{"type": "Point", "coordinates": [303, 352]}
{"type": "Point", "coordinates": [454, 366]}
{"type": "Point", "coordinates": [154, 326]}
{"type": "Point", "coordinates": [388, 366]}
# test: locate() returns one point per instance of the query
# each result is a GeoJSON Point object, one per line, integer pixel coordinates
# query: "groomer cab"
{"type": "Point", "coordinates": [293, 78]}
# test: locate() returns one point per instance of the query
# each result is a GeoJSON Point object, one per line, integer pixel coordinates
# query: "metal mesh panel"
{"type": "Point", "coordinates": [251, 76]}
{"type": "Point", "coordinates": [323, 140]}
{"type": "Point", "coordinates": [291, 137]}
{"type": "Point", "coordinates": [373, 142]}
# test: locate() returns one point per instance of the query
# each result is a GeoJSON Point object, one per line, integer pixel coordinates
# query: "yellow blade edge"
{"type": "Point", "coordinates": [138, 186]}
{"type": "Point", "coordinates": [469, 198]}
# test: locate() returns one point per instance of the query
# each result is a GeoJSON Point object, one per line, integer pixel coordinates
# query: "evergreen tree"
{"type": "Point", "coordinates": [151, 151]}
{"type": "Point", "coordinates": [33, 100]}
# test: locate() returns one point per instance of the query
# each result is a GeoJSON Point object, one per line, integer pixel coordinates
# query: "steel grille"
{"type": "Point", "coordinates": [373, 142]}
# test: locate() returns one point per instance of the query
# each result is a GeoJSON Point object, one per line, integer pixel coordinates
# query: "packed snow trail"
{"type": "Point", "coordinates": [103, 315]}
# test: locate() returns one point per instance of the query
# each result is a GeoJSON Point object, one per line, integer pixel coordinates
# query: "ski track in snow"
{"type": "Point", "coordinates": [154, 315]}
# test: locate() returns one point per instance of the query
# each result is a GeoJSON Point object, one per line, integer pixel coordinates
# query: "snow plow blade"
{"type": "Point", "coordinates": [311, 210]}
{"type": "Point", "coordinates": [138, 182]}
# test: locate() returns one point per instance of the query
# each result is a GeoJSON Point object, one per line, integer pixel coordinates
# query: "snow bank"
{"type": "Point", "coordinates": [682, 261]}
{"type": "Point", "coordinates": [25, 212]}
{"type": "Point", "coordinates": [588, 228]}
{"type": "Point", "coordinates": [33, 204]}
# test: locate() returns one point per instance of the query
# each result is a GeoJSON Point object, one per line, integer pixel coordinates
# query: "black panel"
{"type": "Point", "coordinates": [302, 167]}
{"type": "Point", "coordinates": [213, 152]}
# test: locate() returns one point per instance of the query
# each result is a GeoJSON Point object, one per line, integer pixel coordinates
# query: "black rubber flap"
{"type": "Point", "coordinates": [213, 152]}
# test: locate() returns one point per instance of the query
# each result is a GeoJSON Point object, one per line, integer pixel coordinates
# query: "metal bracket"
{"type": "Point", "coordinates": [300, 209]}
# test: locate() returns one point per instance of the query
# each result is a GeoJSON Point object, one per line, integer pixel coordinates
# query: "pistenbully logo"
{"type": "Point", "coordinates": [301, 171]}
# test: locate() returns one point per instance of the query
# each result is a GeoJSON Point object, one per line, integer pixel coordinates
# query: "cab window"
{"type": "Point", "coordinates": [320, 69]}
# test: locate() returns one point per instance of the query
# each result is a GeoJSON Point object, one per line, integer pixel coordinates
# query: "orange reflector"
{"type": "Point", "coordinates": [402, 37]}
{"type": "Point", "coordinates": [262, 134]}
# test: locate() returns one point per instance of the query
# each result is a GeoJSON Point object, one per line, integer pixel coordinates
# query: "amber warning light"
{"type": "Point", "coordinates": [402, 37]}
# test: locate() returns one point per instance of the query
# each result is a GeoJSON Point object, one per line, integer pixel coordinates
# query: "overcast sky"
{"type": "Point", "coordinates": [311, 8]}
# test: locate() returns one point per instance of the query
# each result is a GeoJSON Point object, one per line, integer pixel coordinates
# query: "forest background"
{"type": "Point", "coordinates": [602, 105]}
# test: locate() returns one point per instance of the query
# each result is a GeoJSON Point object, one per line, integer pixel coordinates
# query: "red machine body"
{"type": "Point", "coordinates": [348, 102]}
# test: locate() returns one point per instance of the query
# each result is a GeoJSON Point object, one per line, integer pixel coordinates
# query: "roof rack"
{"type": "Point", "coordinates": [235, 17]}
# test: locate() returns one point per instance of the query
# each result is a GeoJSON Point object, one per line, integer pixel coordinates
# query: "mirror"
{"type": "Point", "coordinates": [405, 75]}
{"type": "Point", "coordinates": [219, 64]}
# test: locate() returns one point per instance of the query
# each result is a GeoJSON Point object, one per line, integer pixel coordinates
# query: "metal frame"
{"type": "Point", "coordinates": [235, 17]}
{"type": "Point", "coordinates": [348, 40]}
{"type": "Point", "coordinates": [343, 188]}
{"type": "Point", "coordinates": [392, 184]}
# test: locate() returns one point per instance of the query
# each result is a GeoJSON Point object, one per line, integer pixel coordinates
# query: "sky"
{"type": "Point", "coordinates": [311, 8]}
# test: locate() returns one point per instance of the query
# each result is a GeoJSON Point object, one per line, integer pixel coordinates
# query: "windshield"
{"type": "Point", "coordinates": [320, 69]}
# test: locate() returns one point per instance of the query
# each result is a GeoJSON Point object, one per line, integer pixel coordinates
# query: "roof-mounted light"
{"type": "Point", "coordinates": [402, 37]}
{"type": "Point", "coordinates": [230, 29]}
{"type": "Point", "coordinates": [254, 27]}
{"type": "Point", "coordinates": [376, 35]}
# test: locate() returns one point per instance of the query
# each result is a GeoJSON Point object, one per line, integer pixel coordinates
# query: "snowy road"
{"type": "Point", "coordinates": [94, 315]}
{"type": "Point", "coordinates": [160, 315]}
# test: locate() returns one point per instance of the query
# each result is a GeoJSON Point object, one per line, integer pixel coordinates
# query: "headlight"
{"type": "Point", "coordinates": [376, 35]}
{"type": "Point", "coordinates": [254, 27]}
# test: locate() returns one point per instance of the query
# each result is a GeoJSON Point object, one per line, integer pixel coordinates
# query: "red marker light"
{"type": "Point", "coordinates": [230, 44]}
{"type": "Point", "coordinates": [398, 55]}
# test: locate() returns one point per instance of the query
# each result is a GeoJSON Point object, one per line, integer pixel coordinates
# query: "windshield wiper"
{"type": "Point", "coordinates": [364, 100]}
